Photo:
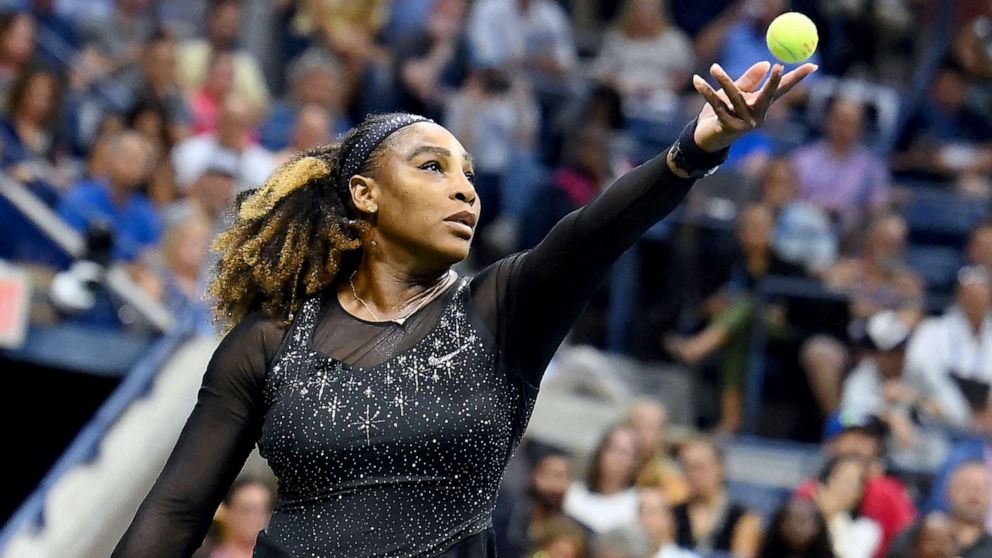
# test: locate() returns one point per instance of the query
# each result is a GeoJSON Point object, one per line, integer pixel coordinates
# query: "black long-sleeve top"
{"type": "Point", "coordinates": [390, 439]}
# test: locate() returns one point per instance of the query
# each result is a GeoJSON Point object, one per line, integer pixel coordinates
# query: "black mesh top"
{"type": "Point", "coordinates": [390, 439]}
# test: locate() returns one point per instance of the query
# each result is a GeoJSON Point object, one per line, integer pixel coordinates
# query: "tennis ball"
{"type": "Point", "coordinates": [792, 37]}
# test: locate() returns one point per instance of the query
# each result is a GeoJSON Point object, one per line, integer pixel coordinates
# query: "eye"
{"type": "Point", "coordinates": [432, 166]}
{"type": "Point", "coordinates": [470, 176]}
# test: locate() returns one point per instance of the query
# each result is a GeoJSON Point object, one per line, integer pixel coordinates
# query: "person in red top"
{"type": "Point", "coordinates": [885, 499]}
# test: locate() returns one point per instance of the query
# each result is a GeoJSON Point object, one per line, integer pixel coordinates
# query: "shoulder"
{"type": "Point", "coordinates": [251, 345]}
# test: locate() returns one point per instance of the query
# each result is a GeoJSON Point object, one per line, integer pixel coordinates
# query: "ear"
{"type": "Point", "coordinates": [364, 193]}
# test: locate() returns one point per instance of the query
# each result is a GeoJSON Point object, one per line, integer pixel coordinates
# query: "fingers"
{"type": "Point", "coordinates": [753, 76]}
{"type": "Point", "coordinates": [792, 78]}
{"type": "Point", "coordinates": [741, 108]}
{"type": "Point", "coordinates": [719, 106]}
{"type": "Point", "coordinates": [767, 93]}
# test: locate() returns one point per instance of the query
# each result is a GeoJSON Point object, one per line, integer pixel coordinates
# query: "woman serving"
{"type": "Point", "coordinates": [386, 392]}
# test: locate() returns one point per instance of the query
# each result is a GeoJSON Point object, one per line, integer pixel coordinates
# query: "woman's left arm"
{"type": "Point", "coordinates": [549, 286]}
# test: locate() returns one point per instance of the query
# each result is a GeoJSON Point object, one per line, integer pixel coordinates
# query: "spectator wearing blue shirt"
{"type": "Point", "coordinates": [115, 199]}
{"type": "Point", "coordinates": [976, 449]}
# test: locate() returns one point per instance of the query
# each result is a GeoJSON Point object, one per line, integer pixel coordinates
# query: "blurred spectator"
{"type": "Point", "coordinates": [878, 386]}
{"type": "Point", "coordinates": [655, 468]}
{"type": "Point", "coordinates": [150, 118]}
{"type": "Point", "coordinates": [840, 488]}
{"type": "Point", "coordinates": [205, 102]}
{"type": "Point", "coordinates": [977, 449]}
{"type": "Point", "coordinates": [885, 499]}
{"type": "Point", "coordinates": [804, 235]}
{"type": "Point", "coordinates": [710, 520]}
{"type": "Point", "coordinates": [116, 40]}
{"type": "Point", "coordinates": [233, 139]}
{"type": "Point", "coordinates": [979, 248]}
{"type": "Point", "coordinates": [208, 196]}
{"type": "Point", "coordinates": [643, 55]}
{"type": "Point", "coordinates": [877, 38]}
{"type": "Point", "coordinates": [584, 173]}
{"type": "Point", "coordinates": [185, 246]}
{"type": "Point", "coordinates": [530, 35]}
{"type": "Point", "coordinates": [116, 200]}
{"type": "Point", "coordinates": [878, 278]}
{"type": "Point", "coordinates": [969, 494]}
{"type": "Point", "coordinates": [657, 523]}
{"type": "Point", "coordinates": [519, 518]}
{"type": "Point", "coordinates": [838, 173]}
{"type": "Point", "coordinates": [797, 530]}
{"type": "Point", "coordinates": [607, 499]}
{"type": "Point", "coordinates": [432, 64]}
{"type": "Point", "coordinates": [28, 129]}
{"type": "Point", "coordinates": [17, 46]}
{"type": "Point", "coordinates": [732, 308]}
{"type": "Point", "coordinates": [945, 137]}
{"type": "Point", "coordinates": [560, 538]}
{"type": "Point", "coordinates": [934, 538]}
{"type": "Point", "coordinates": [314, 79]}
{"type": "Point", "coordinates": [951, 355]}
{"type": "Point", "coordinates": [223, 23]}
{"type": "Point", "coordinates": [244, 513]}
{"type": "Point", "coordinates": [156, 81]}
{"type": "Point", "coordinates": [312, 127]}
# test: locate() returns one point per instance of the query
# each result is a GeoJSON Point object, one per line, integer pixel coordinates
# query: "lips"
{"type": "Point", "coordinates": [466, 218]}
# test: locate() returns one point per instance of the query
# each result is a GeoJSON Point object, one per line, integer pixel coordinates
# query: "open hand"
{"type": "Point", "coordinates": [739, 106]}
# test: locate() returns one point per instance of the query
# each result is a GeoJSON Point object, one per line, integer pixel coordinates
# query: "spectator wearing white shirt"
{"type": "Point", "coordinates": [607, 500]}
{"type": "Point", "coordinates": [254, 164]}
{"type": "Point", "coordinates": [533, 35]}
{"type": "Point", "coordinates": [658, 525]}
{"type": "Point", "coordinates": [644, 55]}
{"type": "Point", "coordinates": [951, 355]}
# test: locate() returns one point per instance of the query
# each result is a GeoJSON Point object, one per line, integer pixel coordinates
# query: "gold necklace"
{"type": "Point", "coordinates": [426, 293]}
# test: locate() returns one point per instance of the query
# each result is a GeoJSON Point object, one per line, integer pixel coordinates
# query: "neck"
{"type": "Point", "coordinates": [118, 195]}
{"type": "Point", "coordinates": [387, 287]}
{"type": "Point", "coordinates": [709, 499]}
{"type": "Point", "coordinates": [966, 533]}
{"type": "Point", "coordinates": [610, 487]}
{"type": "Point", "coordinates": [838, 148]}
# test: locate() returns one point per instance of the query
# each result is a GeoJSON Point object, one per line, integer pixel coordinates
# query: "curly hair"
{"type": "Point", "coordinates": [291, 237]}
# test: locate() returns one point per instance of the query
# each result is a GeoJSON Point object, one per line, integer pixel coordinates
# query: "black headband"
{"type": "Point", "coordinates": [358, 153]}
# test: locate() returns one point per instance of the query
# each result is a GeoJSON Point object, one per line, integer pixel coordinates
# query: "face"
{"type": "Point", "coordinates": [551, 479]}
{"type": "Point", "coordinates": [215, 192]}
{"type": "Point", "coordinates": [223, 25]}
{"type": "Point", "coordinates": [800, 524]}
{"type": "Point", "coordinates": [235, 121]}
{"type": "Point", "coordinates": [312, 127]}
{"type": "Point", "coordinates": [980, 247]}
{"type": "Point", "coordinates": [846, 482]}
{"type": "Point", "coordinates": [887, 239]}
{"type": "Point", "coordinates": [855, 444]}
{"type": "Point", "coordinates": [778, 185]}
{"type": "Point", "coordinates": [756, 228]}
{"type": "Point", "coordinates": [321, 86]}
{"type": "Point", "coordinates": [248, 512]}
{"type": "Point", "coordinates": [189, 249]}
{"type": "Point", "coordinates": [655, 516]}
{"type": "Point", "coordinates": [220, 75]}
{"type": "Point", "coordinates": [648, 421]}
{"type": "Point", "coordinates": [703, 472]}
{"type": "Point", "coordinates": [845, 123]}
{"type": "Point", "coordinates": [150, 124]}
{"type": "Point", "coordinates": [975, 300]}
{"type": "Point", "coordinates": [39, 98]}
{"type": "Point", "coordinates": [890, 363]}
{"type": "Point", "coordinates": [619, 458]}
{"type": "Point", "coordinates": [950, 90]}
{"type": "Point", "coordinates": [426, 204]}
{"type": "Point", "coordinates": [936, 539]}
{"type": "Point", "coordinates": [19, 41]}
{"type": "Point", "coordinates": [160, 63]}
{"type": "Point", "coordinates": [129, 161]}
{"type": "Point", "coordinates": [970, 494]}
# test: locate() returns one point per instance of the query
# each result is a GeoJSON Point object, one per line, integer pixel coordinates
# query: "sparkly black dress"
{"type": "Point", "coordinates": [390, 439]}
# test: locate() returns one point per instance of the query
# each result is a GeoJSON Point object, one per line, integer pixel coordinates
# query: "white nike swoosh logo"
{"type": "Point", "coordinates": [434, 361]}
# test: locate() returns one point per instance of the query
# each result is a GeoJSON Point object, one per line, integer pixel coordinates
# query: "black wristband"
{"type": "Point", "coordinates": [690, 158]}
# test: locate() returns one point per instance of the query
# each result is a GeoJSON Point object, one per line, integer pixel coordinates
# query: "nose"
{"type": "Point", "coordinates": [464, 191]}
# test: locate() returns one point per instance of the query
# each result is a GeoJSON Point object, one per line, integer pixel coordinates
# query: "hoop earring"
{"type": "Point", "coordinates": [374, 244]}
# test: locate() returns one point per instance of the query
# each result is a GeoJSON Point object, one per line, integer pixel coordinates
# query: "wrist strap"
{"type": "Point", "coordinates": [691, 158]}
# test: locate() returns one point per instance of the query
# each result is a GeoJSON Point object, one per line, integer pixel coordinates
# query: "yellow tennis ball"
{"type": "Point", "coordinates": [792, 37]}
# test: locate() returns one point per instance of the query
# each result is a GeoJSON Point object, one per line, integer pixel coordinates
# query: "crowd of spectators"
{"type": "Point", "coordinates": [866, 191]}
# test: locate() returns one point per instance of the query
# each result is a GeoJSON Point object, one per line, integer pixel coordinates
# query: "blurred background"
{"type": "Point", "coordinates": [795, 363]}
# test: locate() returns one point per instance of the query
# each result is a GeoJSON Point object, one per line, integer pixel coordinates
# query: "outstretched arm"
{"type": "Point", "coordinates": [212, 448]}
{"type": "Point", "coordinates": [541, 292]}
